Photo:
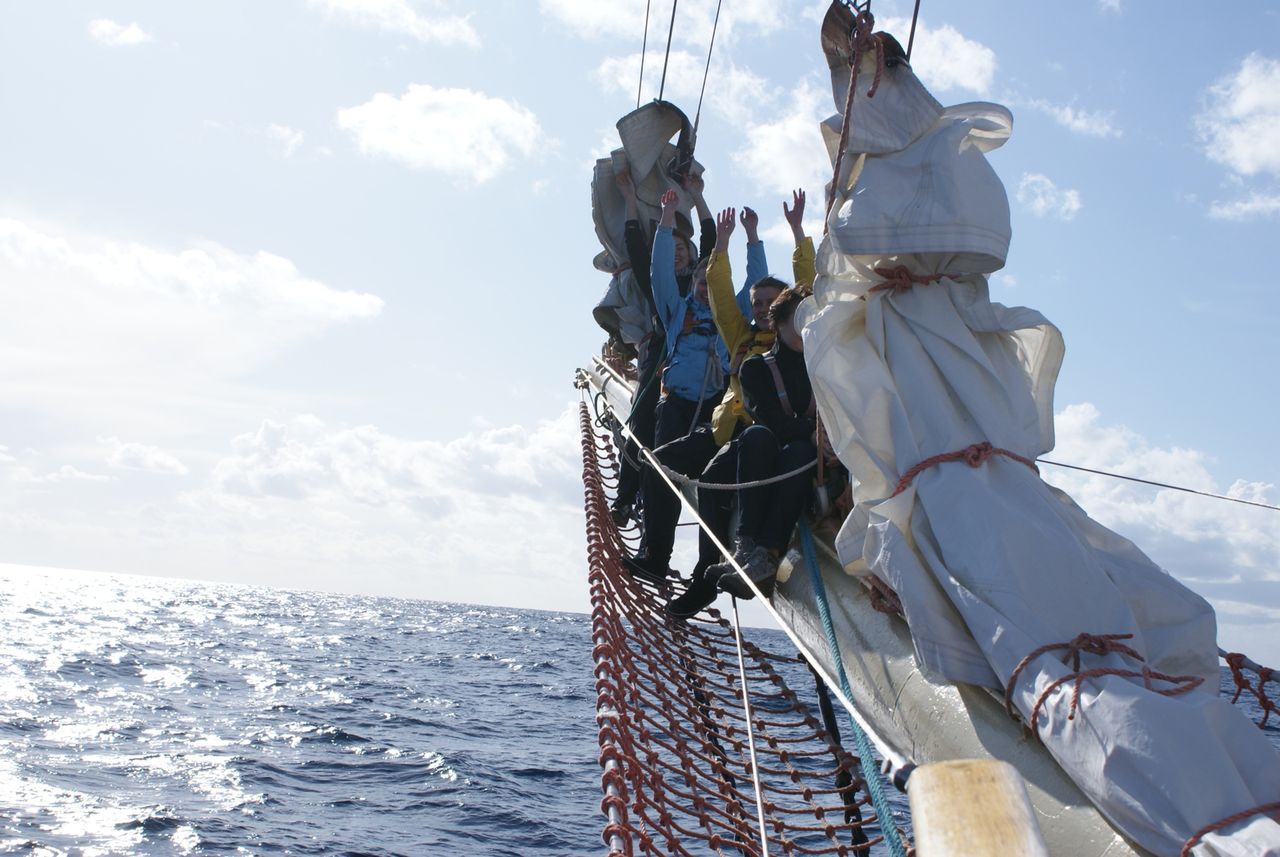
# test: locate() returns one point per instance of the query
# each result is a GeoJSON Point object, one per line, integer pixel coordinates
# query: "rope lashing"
{"type": "Point", "coordinates": [870, 775]}
{"type": "Point", "coordinates": [899, 279]}
{"type": "Point", "coordinates": [1098, 645]}
{"type": "Point", "coordinates": [1237, 662]}
{"type": "Point", "coordinates": [973, 455]}
{"type": "Point", "coordinates": [1266, 808]}
{"type": "Point", "coordinates": [861, 40]}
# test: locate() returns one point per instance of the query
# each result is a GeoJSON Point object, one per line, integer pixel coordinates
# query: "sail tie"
{"type": "Point", "coordinates": [973, 455]}
{"type": "Point", "coordinates": [899, 279]}
{"type": "Point", "coordinates": [1098, 645]}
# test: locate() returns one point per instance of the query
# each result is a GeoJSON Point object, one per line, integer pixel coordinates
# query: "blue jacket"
{"type": "Point", "coordinates": [692, 340]}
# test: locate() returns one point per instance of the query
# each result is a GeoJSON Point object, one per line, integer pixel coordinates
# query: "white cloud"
{"type": "Point", "coordinates": [733, 92]}
{"type": "Point", "coordinates": [138, 456]}
{"type": "Point", "coordinates": [289, 139]}
{"type": "Point", "coordinates": [625, 19]}
{"type": "Point", "coordinates": [465, 134]}
{"type": "Point", "coordinates": [1240, 123]}
{"type": "Point", "coordinates": [943, 58]}
{"type": "Point", "coordinates": [1256, 205]}
{"type": "Point", "coordinates": [108, 32]}
{"type": "Point", "coordinates": [786, 152]}
{"type": "Point", "coordinates": [1112, 6]}
{"type": "Point", "coordinates": [1043, 198]}
{"type": "Point", "coordinates": [1228, 552]}
{"type": "Point", "coordinates": [92, 322]}
{"type": "Point", "coordinates": [399, 16]}
{"type": "Point", "coordinates": [1089, 123]}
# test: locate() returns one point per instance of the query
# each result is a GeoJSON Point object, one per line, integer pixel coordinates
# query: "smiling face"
{"type": "Point", "coordinates": [761, 297]}
{"type": "Point", "coordinates": [682, 253]}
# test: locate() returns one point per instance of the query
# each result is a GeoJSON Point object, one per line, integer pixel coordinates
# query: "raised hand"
{"type": "Point", "coordinates": [750, 222]}
{"type": "Point", "coordinates": [724, 228]}
{"type": "Point", "coordinates": [795, 214]}
{"type": "Point", "coordinates": [694, 184]}
{"type": "Point", "coordinates": [669, 201]}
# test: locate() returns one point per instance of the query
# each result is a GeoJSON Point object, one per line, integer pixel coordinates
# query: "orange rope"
{"type": "Point", "coordinates": [973, 455]}
{"type": "Point", "coordinates": [1272, 808]}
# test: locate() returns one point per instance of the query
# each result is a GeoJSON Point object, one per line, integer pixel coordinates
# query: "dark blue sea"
{"type": "Point", "coordinates": [147, 716]}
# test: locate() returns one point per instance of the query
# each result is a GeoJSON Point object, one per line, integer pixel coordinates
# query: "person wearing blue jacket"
{"type": "Point", "coordinates": [697, 359]}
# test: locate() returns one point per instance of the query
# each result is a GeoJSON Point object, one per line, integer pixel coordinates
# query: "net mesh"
{"type": "Point", "coordinates": [673, 728]}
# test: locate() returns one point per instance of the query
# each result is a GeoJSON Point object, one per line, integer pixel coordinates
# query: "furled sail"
{"type": "Point", "coordinates": [939, 400]}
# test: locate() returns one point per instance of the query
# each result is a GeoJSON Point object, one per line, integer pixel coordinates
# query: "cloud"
{"type": "Point", "coordinates": [1043, 198]}
{"type": "Point", "coordinates": [1085, 122]}
{"type": "Point", "coordinates": [1256, 205]}
{"type": "Point", "coordinates": [459, 132]}
{"type": "Point", "coordinates": [289, 139]}
{"type": "Point", "coordinates": [1226, 551]}
{"type": "Point", "coordinates": [626, 20]}
{"type": "Point", "coordinates": [149, 459]}
{"type": "Point", "coordinates": [399, 16]}
{"type": "Point", "coordinates": [92, 322]}
{"type": "Point", "coordinates": [945, 59]}
{"type": "Point", "coordinates": [1112, 6]}
{"type": "Point", "coordinates": [786, 151]}
{"type": "Point", "coordinates": [733, 92]}
{"type": "Point", "coordinates": [1240, 123]}
{"type": "Point", "coordinates": [108, 32]}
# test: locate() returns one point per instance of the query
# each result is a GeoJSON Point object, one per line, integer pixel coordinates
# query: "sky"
{"type": "Point", "coordinates": [293, 292]}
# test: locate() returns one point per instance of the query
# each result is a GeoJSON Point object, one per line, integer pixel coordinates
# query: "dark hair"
{"type": "Point", "coordinates": [769, 282]}
{"type": "Point", "coordinates": [784, 305]}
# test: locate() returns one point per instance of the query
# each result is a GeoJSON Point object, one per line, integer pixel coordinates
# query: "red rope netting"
{"type": "Point", "coordinates": [672, 728]}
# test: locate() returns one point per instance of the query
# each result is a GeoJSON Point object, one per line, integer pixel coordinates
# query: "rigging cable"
{"type": "Point", "coordinates": [644, 46]}
{"type": "Point", "coordinates": [911, 38]}
{"type": "Point", "coordinates": [670, 31]}
{"type": "Point", "coordinates": [710, 47]}
{"type": "Point", "coordinates": [1161, 485]}
{"type": "Point", "coordinates": [751, 739]}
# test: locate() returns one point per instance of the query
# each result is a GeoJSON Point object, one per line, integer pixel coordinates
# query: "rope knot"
{"type": "Point", "coordinates": [977, 453]}
{"type": "Point", "coordinates": [899, 279]}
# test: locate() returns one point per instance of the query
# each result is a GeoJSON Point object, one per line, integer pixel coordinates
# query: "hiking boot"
{"type": "Point", "coordinates": [761, 566]}
{"type": "Point", "coordinates": [743, 547]}
{"type": "Point", "coordinates": [641, 565]}
{"type": "Point", "coordinates": [622, 515]}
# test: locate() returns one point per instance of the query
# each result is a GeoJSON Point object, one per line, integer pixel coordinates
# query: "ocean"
{"type": "Point", "coordinates": [144, 716]}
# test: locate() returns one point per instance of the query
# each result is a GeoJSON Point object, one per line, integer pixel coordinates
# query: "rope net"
{"type": "Point", "coordinates": [674, 735]}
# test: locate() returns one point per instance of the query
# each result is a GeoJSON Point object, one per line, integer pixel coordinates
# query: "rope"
{"type": "Point", "coordinates": [861, 40]}
{"type": "Point", "coordinates": [644, 46]}
{"type": "Point", "coordinates": [973, 455]}
{"type": "Point", "coordinates": [679, 477]}
{"type": "Point", "coordinates": [875, 787]}
{"type": "Point", "coordinates": [899, 279]}
{"type": "Point", "coordinates": [1227, 822]}
{"type": "Point", "coordinates": [1098, 645]}
{"type": "Point", "coordinates": [751, 735]}
{"type": "Point", "coordinates": [670, 31]}
{"type": "Point", "coordinates": [710, 47]}
{"type": "Point", "coordinates": [1161, 485]}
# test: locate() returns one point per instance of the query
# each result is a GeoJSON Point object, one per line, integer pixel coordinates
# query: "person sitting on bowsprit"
{"type": "Point", "coordinates": [652, 349]}
{"type": "Point", "coordinates": [777, 393]}
{"type": "Point", "coordinates": [745, 313]}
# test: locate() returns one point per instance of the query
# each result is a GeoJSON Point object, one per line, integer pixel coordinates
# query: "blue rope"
{"type": "Point", "coordinates": [870, 774]}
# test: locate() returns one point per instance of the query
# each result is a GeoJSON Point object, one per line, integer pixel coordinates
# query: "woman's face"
{"type": "Point", "coordinates": [682, 253]}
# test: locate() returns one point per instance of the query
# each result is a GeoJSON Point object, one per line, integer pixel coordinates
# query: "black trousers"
{"type": "Point", "coordinates": [643, 420]}
{"type": "Point", "coordinates": [696, 456]}
{"type": "Point", "coordinates": [769, 513]}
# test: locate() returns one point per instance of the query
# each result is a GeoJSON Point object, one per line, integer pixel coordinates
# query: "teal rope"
{"type": "Point", "coordinates": [870, 774]}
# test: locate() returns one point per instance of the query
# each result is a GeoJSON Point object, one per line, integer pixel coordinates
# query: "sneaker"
{"type": "Point", "coordinates": [642, 566]}
{"type": "Point", "coordinates": [743, 546]}
{"type": "Point", "coordinates": [761, 566]}
{"type": "Point", "coordinates": [622, 515]}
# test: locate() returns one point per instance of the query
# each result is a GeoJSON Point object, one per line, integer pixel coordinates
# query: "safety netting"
{"type": "Point", "coordinates": [691, 765]}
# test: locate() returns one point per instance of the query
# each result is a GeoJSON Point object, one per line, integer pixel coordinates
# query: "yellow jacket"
{"type": "Point", "coordinates": [739, 336]}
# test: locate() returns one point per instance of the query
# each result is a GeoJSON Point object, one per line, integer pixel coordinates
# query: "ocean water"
{"type": "Point", "coordinates": [147, 716]}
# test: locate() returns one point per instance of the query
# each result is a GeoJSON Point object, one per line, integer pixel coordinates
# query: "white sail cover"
{"type": "Point", "coordinates": [989, 561]}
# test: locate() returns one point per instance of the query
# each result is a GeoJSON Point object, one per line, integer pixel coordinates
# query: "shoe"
{"type": "Point", "coordinates": [622, 515]}
{"type": "Point", "coordinates": [642, 566]}
{"type": "Point", "coordinates": [761, 566]}
{"type": "Point", "coordinates": [700, 593]}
